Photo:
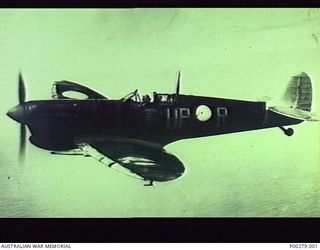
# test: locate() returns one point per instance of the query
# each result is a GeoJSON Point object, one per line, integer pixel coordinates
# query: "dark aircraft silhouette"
{"type": "Point", "coordinates": [130, 133]}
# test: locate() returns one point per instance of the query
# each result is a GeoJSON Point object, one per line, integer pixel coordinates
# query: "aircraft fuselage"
{"type": "Point", "coordinates": [54, 124]}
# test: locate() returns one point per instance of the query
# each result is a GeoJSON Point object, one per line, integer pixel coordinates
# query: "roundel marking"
{"type": "Point", "coordinates": [203, 113]}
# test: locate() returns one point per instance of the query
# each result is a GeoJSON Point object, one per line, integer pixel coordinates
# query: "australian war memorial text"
{"type": "Point", "coordinates": [34, 245]}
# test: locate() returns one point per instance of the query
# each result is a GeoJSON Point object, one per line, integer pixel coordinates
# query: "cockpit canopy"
{"type": "Point", "coordinates": [163, 98]}
{"type": "Point", "coordinates": [133, 96]}
{"type": "Point", "coordinates": [157, 98]}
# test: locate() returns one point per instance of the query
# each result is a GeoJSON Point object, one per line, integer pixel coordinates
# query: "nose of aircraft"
{"type": "Point", "coordinates": [17, 113]}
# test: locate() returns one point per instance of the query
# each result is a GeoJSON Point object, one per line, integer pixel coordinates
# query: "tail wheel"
{"type": "Point", "coordinates": [287, 132]}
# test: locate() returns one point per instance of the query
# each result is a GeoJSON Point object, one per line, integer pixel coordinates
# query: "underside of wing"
{"type": "Point", "coordinates": [144, 160]}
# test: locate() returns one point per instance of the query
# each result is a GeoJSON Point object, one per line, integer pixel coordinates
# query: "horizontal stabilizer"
{"type": "Point", "coordinates": [295, 113]}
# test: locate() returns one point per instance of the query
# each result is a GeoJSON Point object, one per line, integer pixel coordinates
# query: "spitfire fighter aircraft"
{"type": "Point", "coordinates": [130, 133]}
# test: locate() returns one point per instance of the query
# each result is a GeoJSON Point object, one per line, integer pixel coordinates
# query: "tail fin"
{"type": "Point", "coordinates": [299, 92]}
{"type": "Point", "coordinates": [297, 99]}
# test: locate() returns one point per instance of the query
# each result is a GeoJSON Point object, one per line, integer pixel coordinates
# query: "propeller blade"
{"type": "Point", "coordinates": [178, 84]}
{"type": "Point", "coordinates": [22, 148]}
{"type": "Point", "coordinates": [21, 89]}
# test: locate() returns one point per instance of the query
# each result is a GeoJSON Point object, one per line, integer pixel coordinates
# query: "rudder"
{"type": "Point", "coordinates": [299, 92]}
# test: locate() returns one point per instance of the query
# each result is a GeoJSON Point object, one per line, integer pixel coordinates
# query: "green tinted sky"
{"type": "Point", "coordinates": [236, 53]}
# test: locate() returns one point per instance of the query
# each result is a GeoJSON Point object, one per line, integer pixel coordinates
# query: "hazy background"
{"type": "Point", "coordinates": [236, 53]}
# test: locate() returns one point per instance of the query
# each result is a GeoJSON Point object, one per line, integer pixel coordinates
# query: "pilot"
{"type": "Point", "coordinates": [155, 97]}
{"type": "Point", "coordinates": [146, 98]}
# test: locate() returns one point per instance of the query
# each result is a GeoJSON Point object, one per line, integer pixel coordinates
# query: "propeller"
{"type": "Point", "coordinates": [22, 148]}
{"type": "Point", "coordinates": [21, 89]}
{"type": "Point", "coordinates": [23, 134]}
{"type": "Point", "coordinates": [178, 84]}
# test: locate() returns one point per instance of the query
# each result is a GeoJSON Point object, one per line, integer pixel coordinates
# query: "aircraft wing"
{"type": "Point", "coordinates": [140, 159]}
